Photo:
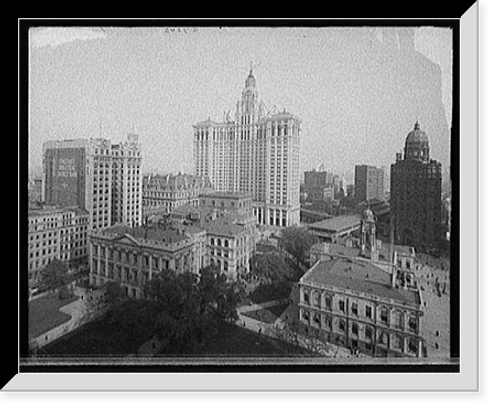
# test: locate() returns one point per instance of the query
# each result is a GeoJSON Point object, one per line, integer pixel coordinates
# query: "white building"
{"type": "Point", "coordinates": [57, 233]}
{"type": "Point", "coordinates": [101, 177]}
{"type": "Point", "coordinates": [256, 152]}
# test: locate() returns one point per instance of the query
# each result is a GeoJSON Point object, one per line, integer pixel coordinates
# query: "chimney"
{"type": "Point", "coordinates": [391, 253]}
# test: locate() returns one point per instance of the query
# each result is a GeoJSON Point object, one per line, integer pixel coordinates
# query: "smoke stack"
{"type": "Point", "coordinates": [391, 252]}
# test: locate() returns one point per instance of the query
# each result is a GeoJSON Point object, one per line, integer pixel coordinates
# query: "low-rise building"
{"type": "Point", "coordinates": [329, 230]}
{"type": "Point", "coordinates": [57, 233]}
{"type": "Point", "coordinates": [228, 220]}
{"type": "Point", "coordinates": [132, 256]}
{"type": "Point", "coordinates": [362, 294]}
{"type": "Point", "coordinates": [353, 304]}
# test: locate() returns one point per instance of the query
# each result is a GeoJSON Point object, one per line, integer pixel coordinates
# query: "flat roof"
{"type": "Point", "coordinates": [336, 224]}
{"type": "Point", "coordinates": [335, 249]}
{"type": "Point", "coordinates": [348, 274]}
{"type": "Point", "coordinates": [55, 209]}
{"type": "Point", "coordinates": [226, 194]}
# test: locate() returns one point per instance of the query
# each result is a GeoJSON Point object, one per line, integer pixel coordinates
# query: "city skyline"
{"type": "Point", "coordinates": [158, 82]}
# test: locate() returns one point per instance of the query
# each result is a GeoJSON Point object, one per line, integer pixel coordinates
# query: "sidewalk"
{"type": "Point", "coordinates": [435, 327]}
{"type": "Point", "coordinates": [275, 330]}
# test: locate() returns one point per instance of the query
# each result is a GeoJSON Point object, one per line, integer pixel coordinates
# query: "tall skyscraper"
{"type": "Point", "coordinates": [256, 152]}
{"type": "Point", "coordinates": [103, 178]}
{"type": "Point", "coordinates": [369, 183]}
{"type": "Point", "coordinates": [416, 193]}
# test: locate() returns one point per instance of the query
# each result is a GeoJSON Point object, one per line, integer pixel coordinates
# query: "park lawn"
{"type": "Point", "coordinates": [268, 314]}
{"type": "Point", "coordinates": [44, 313]}
{"type": "Point", "coordinates": [104, 338]}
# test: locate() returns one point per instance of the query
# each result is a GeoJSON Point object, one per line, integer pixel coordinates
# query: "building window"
{"type": "Point", "coordinates": [369, 333]}
{"type": "Point", "coordinates": [316, 299]}
{"type": "Point", "coordinates": [317, 319]}
{"type": "Point", "coordinates": [413, 346]}
{"type": "Point", "coordinates": [400, 323]}
{"type": "Point", "coordinates": [384, 315]}
{"type": "Point", "coordinates": [328, 302]}
{"type": "Point", "coordinates": [412, 324]}
{"type": "Point", "coordinates": [305, 315]}
{"type": "Point", "coordinates": [355, 329]}
{"type": "Point", "coordinates": [342, 325]}
{"type": "Point", "coordinates": [383, 338]}
{"type": "Point", "coordinates": [354, 308]}
{"type": "Point", "coordinates": [306, 297]}
{"type": "Point", "coordinates": [342, 305]}
{"type": "Point", "coordinates": [400, 343]}
{"type": "Point", "coordinates": [368, 312]}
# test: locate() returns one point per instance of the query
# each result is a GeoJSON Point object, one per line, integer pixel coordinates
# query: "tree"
{"type": "Point", "coordinates": [191, 307]}
{"type": "Point", "coordinates": [54, 275]}
{"type": "Point", "coordinates": [271, 268]}
{"type": "Point", "coordinates": [297, 241]}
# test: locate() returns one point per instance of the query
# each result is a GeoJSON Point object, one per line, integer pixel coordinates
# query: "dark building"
{"type": "Point", "coordinates": [64, 173]}
{"type": "Point", "coordinates": [416, 193]}
{"type": "Point", "coordinates": [318, 179]}
{"type": "Point", "coordinates": [369, 183]}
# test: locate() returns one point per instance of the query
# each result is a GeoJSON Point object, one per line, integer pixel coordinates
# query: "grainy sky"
{"type": "Point", "coordinates": [358, 91]}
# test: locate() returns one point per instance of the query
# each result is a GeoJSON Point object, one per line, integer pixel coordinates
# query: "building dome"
{"type": "Point", "coordinates": [417, 144]}
{"type": "Point", "coordinates": [417, 135]}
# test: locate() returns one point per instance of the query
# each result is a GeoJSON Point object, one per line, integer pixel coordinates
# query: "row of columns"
{"type": "Point", "coordinates": [138, 263]}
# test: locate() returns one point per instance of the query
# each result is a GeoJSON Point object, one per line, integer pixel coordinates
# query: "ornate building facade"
{"type": "Point", "coordinates": [132, 256]}
{"type": "Point", "coordinates": [362, 294]}
{"type": "Point", "coordinates": [257, 151]}
{"type": "Point", "coordinates": [416, 194]}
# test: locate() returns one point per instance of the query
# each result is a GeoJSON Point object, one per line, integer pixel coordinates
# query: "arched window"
{"type": "Point", "coordinates": [316, 299]}
{"type": "Point", "coordinates": [342, 324]}
{"type": "Point", "coordinates": [317, 319]}
{"type": "Point", "coordinates": [369, 333]}
{"type": "Point", "coordinates": [305, 315]}
{"type": "Point", "coordinates": [328, 302]}
{"type": "Point", "coordinates": [383, 338]}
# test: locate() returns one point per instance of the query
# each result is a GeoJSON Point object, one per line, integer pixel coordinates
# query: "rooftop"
{"type": "Point", "coordinates": [227, 194]}
{"type": "Point", "coordinates": [361, 277]}
{"type": "Point", "coordinates": [335, 249]}
{"type": "Point", "coordinates": [176, 182]}
{"type": "Point", "coordinates": [223, 227]}
{"type": "Point", "coordinates": [168, 236]}
{"type": "Point", "coordinates": [336, 224]}
{"type": "Point", "coordinates": [53, 209]}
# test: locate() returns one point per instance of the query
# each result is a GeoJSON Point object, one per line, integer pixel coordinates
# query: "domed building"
{"type": "Point", "coordinates": [416, 193]}
{"type": "Point", "coordinates": [417, 144]}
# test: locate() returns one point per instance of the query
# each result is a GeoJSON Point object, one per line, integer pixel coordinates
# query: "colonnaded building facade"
{"type": "Point", "coordinates": [256, 152]}
{"type": "Point", "coordinates": [133, 256]}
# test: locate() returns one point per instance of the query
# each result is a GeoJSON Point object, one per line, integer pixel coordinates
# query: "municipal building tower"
{"type": "Point", "coordinates": [256, 151]}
